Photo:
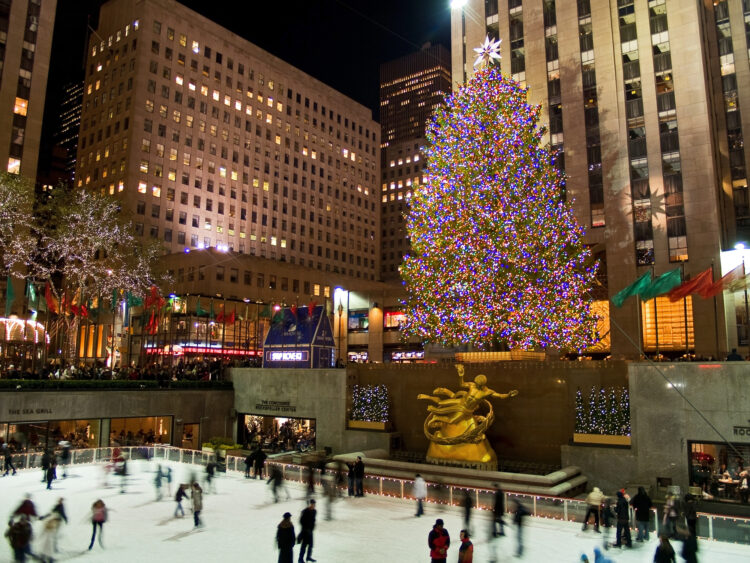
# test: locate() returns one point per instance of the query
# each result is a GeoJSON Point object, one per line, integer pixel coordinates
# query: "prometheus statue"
{"type": "Point", "coordinates": [455, 432]}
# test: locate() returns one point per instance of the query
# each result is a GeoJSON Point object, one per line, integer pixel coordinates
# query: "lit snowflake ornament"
{"type": "Point", "coordinates": [488, 52]}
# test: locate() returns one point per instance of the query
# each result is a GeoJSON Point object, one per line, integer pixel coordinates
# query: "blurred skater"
{"type": "Point", "coordinates": [276, 480]}
{"type": "Point", "coordinates": [468, 504]}
{"type": "Point", "coordinates": [19, 536]}
{"type": "Point", "coordinates": [179, 496]}
{"type": "Point", "coordinates": [98, 518]}
{"type": "Point", "coordinates": [51, 472]}
{"type": "Point", "coordinates": [210, 472]}
{"type": "Point", "coordinates": [330, 492]}
{"type": "Point", "coordinates": [157, 482]}
{"type": "Point", "coordinates": [47, 544]}
{"type": "Point", "coordinates": [607, 518]}
{"type": "Point", "coordinates": [420, 493]}
{"type": "Point", "coordinates": [664, 552]}
{"type": "Point", "coordinates": [64, 457]}
{"type": "Point", "coordinates": [498, 512]}
{"type": "Point", "coordinates": [521, 513]}
{"type": "Point", "coordinates": [307, 522]}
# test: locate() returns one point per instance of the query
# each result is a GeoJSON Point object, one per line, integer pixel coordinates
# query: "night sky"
{"type": "Point", "coordinates": [340, 42]}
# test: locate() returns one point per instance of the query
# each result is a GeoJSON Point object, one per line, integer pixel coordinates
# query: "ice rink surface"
{"type": "Point", "coordinates": [240, 524]}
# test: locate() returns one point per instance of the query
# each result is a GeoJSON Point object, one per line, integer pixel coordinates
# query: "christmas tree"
{"type": "Point", "coordinates": [496, 254]}
{"type": "Point", "coordinates": [582, 422]}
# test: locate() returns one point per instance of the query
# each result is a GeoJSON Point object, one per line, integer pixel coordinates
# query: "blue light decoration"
{"type": "Point", "coordinates": [497, 254]}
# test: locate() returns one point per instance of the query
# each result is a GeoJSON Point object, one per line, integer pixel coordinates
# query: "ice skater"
{"type": "Point", "coordinates": [259, 461]}
{"type": "Point", "coordinates": [168, 477]}
{"type": "Point", "coordinates": [498, 512]}
{"type": "Point", "coordinates": [466, 549]}
{"type": "Point", "coordinates": [51, 472]}
{"type": "Point", "coordinates": [307, 522]}
{"type": "Point", "coordinates": [594, 501]}
{"type": "Point", "coordinates": [521, 512]}
{"type": "Point", "coordinates": [439, 540]}
{"type": "Point", "coordinates": [8, 457]}
{"type": "Point", "coordinates": [276, 479]}
{"type": "Point", "coordinates": [622, 510]}
{"type": "Point", "coordinates": [197, 498]}
{"type": "Point", "coordinates": [158, 482]}
{"type": "Point", "coordinates": [19, 536]}
{"type": "Point", "coordinates": [64, 457]}
{"type": "Point", "coordinates": [181, 494]}
{"type": "Point", "coordinates": [47, 544]}
{"type": "Point", "coordinates": [420, 493]}
{"type": "Point", "coordinates": [210, 472]}
{"type": "Point", "coordinates": [468, 504]}
{"type": "Point", "coordinates": [330, 492]}
{"type": "Point", "coordinates": [359, 477]}
{"type": "Point", "coordinates": [285, 539]}
{"type": "Point", "coordinates": [98, 518]}
{"type": "Point", "coordinates": [607, 517]}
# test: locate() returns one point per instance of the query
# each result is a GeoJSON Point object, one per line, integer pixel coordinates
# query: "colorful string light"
{"type": "Point", "coordinates": [497, 254]}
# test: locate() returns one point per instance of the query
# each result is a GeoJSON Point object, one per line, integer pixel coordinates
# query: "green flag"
{"type": "Point", "coordinates": [265, 313]}
{"type": "Point", "coordinates": [200, 311]}
{"type": "Point", "coordinates": [31, 294]}
{"type": "Point", "coordinates": [211, 314]}
{"type": "Point", "coordinates": [113, 303]}
{"type": "Point", "coordinates": [633, 289]}
{"type": "Point", "coordinates": [10, 296]}
{"type": "Point", "coordinates": [663, 284]}
{"type": "Point", "coordinates": [133, 301]}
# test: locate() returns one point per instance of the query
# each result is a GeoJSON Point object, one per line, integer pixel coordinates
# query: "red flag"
{"type": "Point", "coordinates": [220, 317]}
{"type": "Point", "coordinates": [153, 323]}
{"type": "Point", "coordinates": [229, 319]}
{"type": "Point", "coordinates": [698, 284]}
{"type": "Point", "coordinates": [311, 307]}
{"type": "Point", "coordinates": [718, 286]}
{"type": "Point", "coordinates": [154, 299]}
{"type": "Point", "coordinates": [83, 311]}
{"type": "Point", "coordinates": [293, 310]}
{"type": "Point", "coordinates": [75, 310]}
{"type": "Point", "coordinates": [52, 304]}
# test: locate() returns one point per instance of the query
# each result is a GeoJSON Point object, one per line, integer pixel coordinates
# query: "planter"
{"type": "Point", "coordinates": [368, 425]}
{"type": "Point", "coordinates": [601, 439]}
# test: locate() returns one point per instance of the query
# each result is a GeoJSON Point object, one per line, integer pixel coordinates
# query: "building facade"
{"type": "Point", "coordinates": [642, 103]}
{"type": "Point", "coordinates": [69, 124]}
{"type": "Point", "coordinates": [410, 89]}
{"type": "Point", "coordinates": [25, 43]}
{"type": "Point", "coordinates": [212, 142]}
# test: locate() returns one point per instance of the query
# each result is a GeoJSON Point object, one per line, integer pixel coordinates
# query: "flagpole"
{"type": "Point", "coordinates": [684, 306]}
{"type": "Point", "coordinates": [747, 318]}
{"type": "Point", "coordinates": [716, 317]}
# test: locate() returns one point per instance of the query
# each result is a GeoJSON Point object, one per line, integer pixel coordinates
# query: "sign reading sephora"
{"type": "Point", "coordinates": [283, 356]}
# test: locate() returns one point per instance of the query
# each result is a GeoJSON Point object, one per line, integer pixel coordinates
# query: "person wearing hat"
{"type": "Point", "coordinates": [439, 540]}
{"type": "Point", "coordinates": [307, 521]}
{"type": "Point", "coordinates": [285, 539]}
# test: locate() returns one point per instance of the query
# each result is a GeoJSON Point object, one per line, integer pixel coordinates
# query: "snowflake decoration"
{"type": "Point", "coordinates": [489, 51]}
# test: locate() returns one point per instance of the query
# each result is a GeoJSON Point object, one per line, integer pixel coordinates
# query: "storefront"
{"type": "Point", "coordinates": [38, 435]}
{"type": "Point", "coordinates": [276, 433]}
{"type": "Point", "coordinates": [718, 469]}
{"type": "Point", "coordinates": [139, 431]}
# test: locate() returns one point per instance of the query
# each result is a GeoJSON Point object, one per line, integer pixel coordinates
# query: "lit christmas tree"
{"type": "Point", "coordinates": [370, 403]}
{"type": "Point", "coordinates": [612, 420]}
{"type": "Point", "coordinates": [593, 419]}
{"type": "Point", "coordinates": [582, 422]}
{"type": "Point", "coordinates": [496, 255]}
{"type": "Point", "coordinates": [624, 410]}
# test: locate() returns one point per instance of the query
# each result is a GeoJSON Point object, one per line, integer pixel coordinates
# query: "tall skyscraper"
{"type": "Point", "coordinates": [25, 42]}
{"type": "Point", "coordinates": [66, 133]}
{"type": "Point", "coordinates": [410, 89]}
{"type": "Point", "coordinates": [212, 142]}
{"type": "Point", "coordinates": [642, 101]}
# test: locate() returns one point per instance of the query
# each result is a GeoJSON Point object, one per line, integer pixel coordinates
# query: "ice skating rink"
{"type": "Point", "coordinates": [240, 524]}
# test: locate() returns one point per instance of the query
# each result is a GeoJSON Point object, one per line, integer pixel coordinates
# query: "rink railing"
{"type": "Point", "coordinates": [710, 526]}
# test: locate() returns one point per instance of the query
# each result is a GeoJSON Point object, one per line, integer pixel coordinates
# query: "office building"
{"type": "Point", "coordinates": [25, 42]}
{"type": "Point", "coordinates": [410, 89]}
{"type": "Point", "coordinates": [642, 100]}
{"type": "Point", "coordinates": [69, 123]}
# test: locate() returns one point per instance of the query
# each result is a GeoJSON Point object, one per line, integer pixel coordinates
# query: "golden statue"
{"type": "Point", "coordinates": [455, 433]}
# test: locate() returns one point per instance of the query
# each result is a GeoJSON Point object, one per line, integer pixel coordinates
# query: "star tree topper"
{"type": "Point", "coordinates": [487, 52]}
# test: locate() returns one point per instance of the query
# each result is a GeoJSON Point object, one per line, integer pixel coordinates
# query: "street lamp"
{"type": "Point", "coordinates": [341, 331]}
{"type": "Point", "coordinates": [458, 4]}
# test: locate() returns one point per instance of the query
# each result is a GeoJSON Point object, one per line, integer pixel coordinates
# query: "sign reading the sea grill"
{"type": "Point", "coordinates": [291, 356]}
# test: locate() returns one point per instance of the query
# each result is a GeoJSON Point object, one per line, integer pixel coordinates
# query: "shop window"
{"type": "Point", "coordinates": [393, 319]}
{"type": "Point", "coordinates": [359, 320]}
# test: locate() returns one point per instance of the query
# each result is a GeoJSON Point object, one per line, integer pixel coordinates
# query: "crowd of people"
{"type": "Point", "coordinates": [679, 522]}
{"type": "Point", "coordinates": [183, 369]}
{"type": "Point", "coordinates": [287, 437]}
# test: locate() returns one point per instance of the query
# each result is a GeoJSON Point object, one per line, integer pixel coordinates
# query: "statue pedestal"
{"type": "Point", "coordinates": [471, 456]}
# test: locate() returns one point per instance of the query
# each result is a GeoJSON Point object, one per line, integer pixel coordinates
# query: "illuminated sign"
{"type": "Point", "coordinates": [292, 356]}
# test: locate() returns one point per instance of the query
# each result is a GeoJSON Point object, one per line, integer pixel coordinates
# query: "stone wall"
{"type": "Point", "coordinates": [211, 409]}
{"type": "Point", "coordinates": [305, 393]}
{"type": "Point", "coordinates": [530, 427]}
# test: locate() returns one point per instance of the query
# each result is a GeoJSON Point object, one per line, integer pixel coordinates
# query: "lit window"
{"type": "Point", "coordinates": [183, 39]}
{"type": "Point", "coordinates": [191, 85]}
{"type": "Point", "coordinates": [238, 105]}
{"type": "Point", "coordinates": [142, 187]}
{"type": "Point", "coordinates": [21, 106]}
{"type": "Point", "coordinates": [144, 166]}
{"type": "Point", "coordinates": [204, 89]}
{"type": "Point", "coordinates": [227, 100]}
{"type": "Point", "coordinates": [316, 289]}
{"type": "Point", "coordinates": [279, 106]}
{"type": "Point", "coordinates": [269, 119]}
{"type": "Point", "coordinates": [136, 23]}
{"type": "Point", "coordinates": [179, 79]}
{"type": "Point", "coordinates": [196, 47]}
{"type": "Point", "coordinates": [215, 95]}
{"type": "Point", "coordinates": [120, 186]}
{"type": "Point", "coordinates": [283, 243]}
{"type": "Point", "coordinates": [223, 171]}
{"type": "Point", "coordinates": [273, 241]}
{"type": "Point", "coordinates": [14, 165]}
{"type": "Point", "coordinates": [156, 191]}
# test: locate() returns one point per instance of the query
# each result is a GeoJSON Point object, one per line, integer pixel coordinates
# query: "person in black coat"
{"type": "Point", "coordinates": [258, 462]}
{"type": "Point", "coordinates": [307, 521]}
{"type": "Point", "coordinates": [691, 514]}
{"type": "Point", "coordinates": [622, 511]}
{"type": "Point", "coordinates": [285, 539]}
{"type": "Point", "coordinates": [350, 478]}
{"type": "Point", "coordinates": [642, 505]}
{"type": "Point", "coordinates": [248, 464]}
{"type": "Point", "coordinates": [359, 476]}
{"type": "Point", "coordinates": [498, 511]}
